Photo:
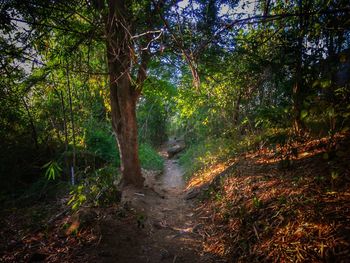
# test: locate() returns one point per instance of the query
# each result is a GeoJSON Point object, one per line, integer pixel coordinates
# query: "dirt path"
{"type": "Point", "coordinates": [159, 225]}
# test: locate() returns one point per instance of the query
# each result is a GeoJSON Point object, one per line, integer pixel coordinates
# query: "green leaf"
{"type": "Point", "coordinates": [304, 114]}
{"type": "Point", "coordinates": [53, 170]}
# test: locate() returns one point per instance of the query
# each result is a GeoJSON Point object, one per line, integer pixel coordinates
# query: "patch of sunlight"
{"type": "Point", "coordinates": [205, 176]}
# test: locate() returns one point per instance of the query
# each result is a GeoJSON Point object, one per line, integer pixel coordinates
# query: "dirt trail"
{"type": "Point", "coordinates": [160, 225]}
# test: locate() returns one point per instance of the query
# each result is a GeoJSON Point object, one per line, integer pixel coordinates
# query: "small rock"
{"type": "Point", "coordinates": [175, 150]}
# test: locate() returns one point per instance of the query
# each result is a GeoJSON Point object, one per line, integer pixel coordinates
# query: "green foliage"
{"type": "Point", "coordinates": [100, 140]}
{"type": "Point", "coordinates": [154, 109]}
{"type": "Point", "coordinates": [78, 197]}
{"type": "Point", "coordinates": [97, 189]}
{"type": "Point", "coordinates": [52, 170]}
{"type": "Point", "coordinates": [271, 116]}
{"type": "Point", "coordinates": [149, 158]}
{"type": "Point", "coordinates": [256, 202]}
{"type": "Point", "coordinates": [206, 153]}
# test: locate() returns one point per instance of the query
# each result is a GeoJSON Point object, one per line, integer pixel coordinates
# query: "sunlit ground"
{"type": "Point", "coordinates": [263, 210]}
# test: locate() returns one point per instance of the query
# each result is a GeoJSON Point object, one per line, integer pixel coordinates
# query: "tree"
{"type": "Point", "coordinates": [125, 89]}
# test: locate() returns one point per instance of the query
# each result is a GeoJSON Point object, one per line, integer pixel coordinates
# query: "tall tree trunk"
{"type": "Point", "coordinates": [65, 133]}
{"type": "Point", "coordinates": [298, 124]}
{"type": "Point", "coordinates": [297, 98]}
{"type": "Point", "coordinates": [123, 92]}
{"type": "Point", "coordinates": [73, 127]}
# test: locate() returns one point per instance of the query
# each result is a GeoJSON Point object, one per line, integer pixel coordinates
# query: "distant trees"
{"type": "Point", "coordinates": [266, 72]}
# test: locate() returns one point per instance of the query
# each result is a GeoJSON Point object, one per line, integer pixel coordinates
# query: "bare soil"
{"type": "Point", "coordinates": [158, 224]}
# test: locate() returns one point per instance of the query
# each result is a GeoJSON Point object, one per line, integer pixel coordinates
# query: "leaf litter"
{"type": "Point", "coordinates": [261, 211]}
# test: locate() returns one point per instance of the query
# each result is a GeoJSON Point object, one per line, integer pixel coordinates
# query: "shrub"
{"type": "Point", "coordinates": [206, 153]}
{"type": "Point", "coordinates": [100, 140]}
{"type": "Point", "coordinates": [98, 189]}
{"type": "Point", "coordinates": [149, 158]}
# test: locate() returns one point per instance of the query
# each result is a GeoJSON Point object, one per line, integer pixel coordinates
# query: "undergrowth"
{"type": "Point", "coordinates": [149, 158]}
{"type": "Point", "coordinates": [100, 187]}
{"type": "Point", "coordinates": [206, 153]}
{"type": "Point", "coordinates": [96, 189]}
{"type": "Point", "coordinates": [203, 154]}
{"type": "Point", "coordinates": [101, 142]}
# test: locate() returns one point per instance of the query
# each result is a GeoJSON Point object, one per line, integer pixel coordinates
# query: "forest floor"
{"type": "Point", "coordinates": [284, 204]}
{"type": "Point", "coordinates": [160, 225]}
{"type": "Point", "coordinates": [153, 224]}
{"type": "Point", "coordinates": [290, 204]}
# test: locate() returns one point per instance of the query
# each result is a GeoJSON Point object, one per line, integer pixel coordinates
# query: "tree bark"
{"type": "Point", "coordinates": [124, 92]}
{"type": "Point", "coordinates": [73, 126]}
{"type": "Point", "coordinates": [298, 124]}
{"type": "Point", "coordinates": [65, 133]}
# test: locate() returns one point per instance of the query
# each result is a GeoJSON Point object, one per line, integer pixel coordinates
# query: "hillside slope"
{"type": "Point", "coordinates": [264, 206]}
